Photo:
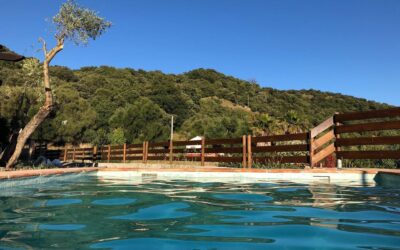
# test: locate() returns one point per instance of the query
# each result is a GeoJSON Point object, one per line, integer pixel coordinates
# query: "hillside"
{"type": "Point", "coordinates": [106, 104]}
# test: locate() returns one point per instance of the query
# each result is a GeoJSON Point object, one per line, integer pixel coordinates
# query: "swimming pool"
{"type": "Point", "coordinates": [84, 211]}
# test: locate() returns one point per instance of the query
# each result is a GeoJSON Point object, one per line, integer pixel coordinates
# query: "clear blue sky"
{"type": "Point", "coordinates": [347, 46]}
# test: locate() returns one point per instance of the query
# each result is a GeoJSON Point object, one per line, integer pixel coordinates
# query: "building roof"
{"type": "Point", "coordinates": [8, 55]}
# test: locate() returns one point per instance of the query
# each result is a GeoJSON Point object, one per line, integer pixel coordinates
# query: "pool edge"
{"type": "Point", "coordinates": [362, 176]}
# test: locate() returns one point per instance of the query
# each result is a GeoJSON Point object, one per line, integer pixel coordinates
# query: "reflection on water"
{"type": "Point", "coordinates": [88, 212]}
{"type": "Point", "coordinates": [113, 201]}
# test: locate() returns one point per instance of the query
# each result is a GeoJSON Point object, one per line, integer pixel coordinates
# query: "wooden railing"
{"type": "Point", "coordinates": [356, 129]}
{"type": "Point", "coordinates": [317, 148]}
{"type": "Point", "coordinates": [288, 148]}
{"type": "Point", "coordinates": [245, 150]}
{"type": "Point", "coordinates": [322, 140]}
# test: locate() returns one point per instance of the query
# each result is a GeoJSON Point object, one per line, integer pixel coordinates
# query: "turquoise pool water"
{"type": "Point", "coordinates": [85, 212]}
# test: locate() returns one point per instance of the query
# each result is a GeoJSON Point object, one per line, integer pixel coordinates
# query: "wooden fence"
{"type": "Point", "coordinates": [279, 149]}
{"type": "Point", "coordinates": [322, 139]}
{"type": "Point", "coordinates": [245, 150]}
{"type": "Point", "coordinates": [313, 148]}
{"type": "Point", "coordinates": [357, 129]}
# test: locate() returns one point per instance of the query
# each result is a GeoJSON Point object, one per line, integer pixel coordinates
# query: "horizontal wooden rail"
{"type": "Point", "coordinates": [186, 150]}
{"type": "Point", "coordinates": [367, 115]}
{"type": "Point", "coordinates": [116, 151]}
{"type": "Point", "coordinates": [276, 138]}
{"type": "Point", "coordinates": [187, 143]}
{"type": "Point", "coordinates": [134, 151]}
{"type": "Point", "coordinates": [224, 150]}
{"type": "Point", "coordinates": [223, 141]}
{"type": "Point", "coordinates": [364, 127]}
{"type": "Point", "coordinates": [384, 154]}
{"type": "Point", "coordinates": [281, 148]}
{"type": "Point", "coordinates": [82, 155]}
{"type": "Point", "coordinates": [158, 144]}
{"type": "Point", "coordinates": [83, 149]}
{"type": "Point", "coordinates": [383, 140]}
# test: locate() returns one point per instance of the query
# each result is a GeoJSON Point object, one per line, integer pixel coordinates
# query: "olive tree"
{"type": "Point", "coordinates": [73, 23]}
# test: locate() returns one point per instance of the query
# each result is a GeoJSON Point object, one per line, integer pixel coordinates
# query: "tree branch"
{"type": "Point", "coordinates": [53, 52]}
{"type": "Point", "coordinates": [44, 46]}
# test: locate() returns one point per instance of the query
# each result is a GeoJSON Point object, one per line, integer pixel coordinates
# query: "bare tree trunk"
{"type": "Point", "coordinates": [44, 111]}
{"type": "Point", "coordinates": [26, 133]}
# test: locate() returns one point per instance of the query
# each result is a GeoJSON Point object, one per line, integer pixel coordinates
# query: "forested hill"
{"type": "Point", "coordinates": [106, 104]}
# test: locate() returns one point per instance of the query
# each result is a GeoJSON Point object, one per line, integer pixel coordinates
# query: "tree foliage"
{"type": "Point", "coordinates": [142, 120]}
{"type": "Point", "coordinates": [99, 102]}
{"type": "Point", "coordinates": [216, 120]}
{"type": "Point", "coordinates": [117, 136]}
{"type": "Point", "coordinates": [79, 24]}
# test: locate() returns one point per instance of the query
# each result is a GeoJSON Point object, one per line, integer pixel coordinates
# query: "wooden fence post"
{"type": "Point", "coordinates": [65, 153]}
{"type": "Point", "coordinates": [311, 149]}
{"type": "Point", "coordinates": [145, 149]}
{"type": "Point", "coordinates": [73, 155]}
{"type": "Point", "coordinates": [338, 163]}
{"type": "Point", "coordinates": [171, 152]}
{"type": "Point", "coordinates": [124, 154]}
{"type": "Point", "coordinates": [203, 144]}
{"type": "Point", "coordinates": [249, 154]}
{"type": "Point", "coordinates": [94, 154]}
{"type": "Point", "coordinates": [244, 162]}
{"type": "Point", "coordinates": [109, 153]}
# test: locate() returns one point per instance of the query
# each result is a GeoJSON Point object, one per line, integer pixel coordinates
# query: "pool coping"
{"type": "Point", "coordinates": [57, 171]}
{"type": "Point", "coordinates": [23, 173]}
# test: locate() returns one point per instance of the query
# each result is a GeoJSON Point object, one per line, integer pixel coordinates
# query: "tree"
{"type": "Point", "coordinates": [142, 120]}
{"type": "Point", "coordinates": [20, 101]}
{"type": "Point", "coordinates": [117, 136]}
{"type": "Point", "coordinates": [72, 23]}
{"type": "Point", "coordinates": [170, 99]}
{"type": "Point", "coordinates": [74, 116]}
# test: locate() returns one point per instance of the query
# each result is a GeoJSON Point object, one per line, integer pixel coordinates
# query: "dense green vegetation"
{"type": "Point", "coordinates": [110, 105]}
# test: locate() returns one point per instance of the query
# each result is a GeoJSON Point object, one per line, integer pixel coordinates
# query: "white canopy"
{"type": "Point", "coordinates": [197, 138]}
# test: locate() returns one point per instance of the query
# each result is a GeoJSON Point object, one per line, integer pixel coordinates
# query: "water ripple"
{"type": "Point", "coordinates": [158, 212]}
